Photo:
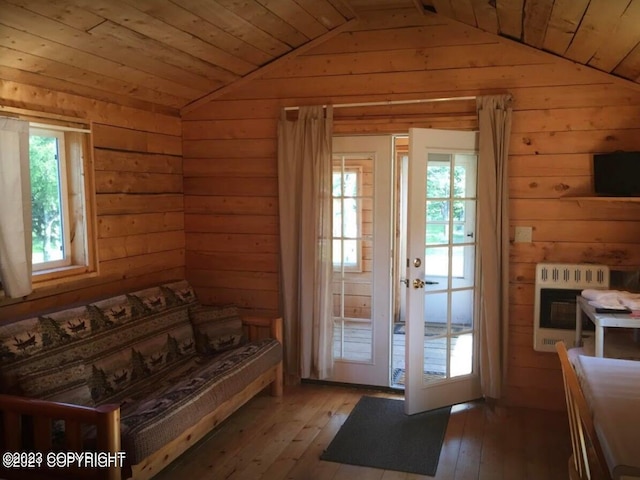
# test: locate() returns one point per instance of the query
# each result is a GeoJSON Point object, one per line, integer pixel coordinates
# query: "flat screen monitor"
{"type": "Point", "coordinates": [617, 174]}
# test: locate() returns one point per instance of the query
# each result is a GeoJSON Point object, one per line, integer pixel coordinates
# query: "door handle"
{"type": "Point", "coordinates": [417, 283]}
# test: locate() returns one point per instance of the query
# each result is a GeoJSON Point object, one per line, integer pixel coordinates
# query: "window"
{"type": "Point", "coordinates": [347, 213]}
{"type": "Point", "coordinates": [49, 207]}
{"type": "Point", "coordinates": [451, 207]}
{"type": "Point", "coordinates": [61, 211]}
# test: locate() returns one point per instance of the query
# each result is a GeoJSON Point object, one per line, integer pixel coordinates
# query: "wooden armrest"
{"type": "Point", "coordinates": [105, 418]}
{"type": "Point", "coordinates": [257, 327]}
{"type": "Point", "coordinates": [46, 408]}
{"type": "Point", "coordinates": [274, 324]}
{"type": "Point", "coordinates": [257, 321]}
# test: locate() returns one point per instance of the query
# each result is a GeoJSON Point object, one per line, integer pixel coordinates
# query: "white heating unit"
{"type": "Point", "coordinates": [556, 287]}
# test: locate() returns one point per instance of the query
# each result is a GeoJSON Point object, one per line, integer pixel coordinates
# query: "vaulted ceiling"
{"type": "Point", "coordinates": [603, 34]}
{"type": "Point", "coordinates": [165, 54]}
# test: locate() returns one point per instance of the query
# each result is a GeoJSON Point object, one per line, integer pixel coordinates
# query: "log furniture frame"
{"type": "Point", "coordinates": [106, 419]}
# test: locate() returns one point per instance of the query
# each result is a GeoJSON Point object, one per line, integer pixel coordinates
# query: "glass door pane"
{"type": "Point", "coordinates": [352, 273]}
{"type": "Point", "coordinates": [449, 267]}
{"type": "Point", "coordinates": [362, 167]}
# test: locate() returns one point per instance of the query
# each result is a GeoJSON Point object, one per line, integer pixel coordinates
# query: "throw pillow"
{"type": "Point", "coordinates": [216, 329]}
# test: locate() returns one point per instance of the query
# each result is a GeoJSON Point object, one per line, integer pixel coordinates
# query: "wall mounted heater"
{"type": "Point", "coordinates": [556, 288]}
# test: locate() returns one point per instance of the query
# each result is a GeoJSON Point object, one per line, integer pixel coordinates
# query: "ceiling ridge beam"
{"type": "Point", "coordinates": [190, 107]}
{"type": "Point", "coordinates": [418, 4]}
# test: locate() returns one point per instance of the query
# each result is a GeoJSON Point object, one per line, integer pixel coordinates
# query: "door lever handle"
{"type": "Point", "coordinates": [417, 283]}
{"type": "Point", "coordinates": [429, 282]}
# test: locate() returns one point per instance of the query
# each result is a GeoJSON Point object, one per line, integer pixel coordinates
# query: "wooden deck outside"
{"type": "Point", "coordinates": [357, 347]}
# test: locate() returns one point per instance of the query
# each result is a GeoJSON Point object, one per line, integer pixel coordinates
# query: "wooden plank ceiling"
{"type": "Point", "coordinates": [164, 54]}
{"type": "Point", "coordinates": [154, 54]}
{"type": "Point", "coordinates": [604, 34]}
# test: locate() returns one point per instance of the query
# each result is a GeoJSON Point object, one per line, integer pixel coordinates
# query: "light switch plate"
{"type": "Point", "coordinates": [523, 235]}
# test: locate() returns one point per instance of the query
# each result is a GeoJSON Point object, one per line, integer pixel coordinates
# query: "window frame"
{"type": "Point", "coordinates": [63, 169]}
{"type": "Point", "coordinates": [340, 167]}
{"type": "Point", "coordinates": [80, 200]}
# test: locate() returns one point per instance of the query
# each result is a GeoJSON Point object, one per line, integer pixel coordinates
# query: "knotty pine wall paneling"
{"type": "Point", "coordinates": [563, 113]}
{"type": "Point", "coordinates": [231, 210]}
{"type": "Point", "coordinates": [137, 161]}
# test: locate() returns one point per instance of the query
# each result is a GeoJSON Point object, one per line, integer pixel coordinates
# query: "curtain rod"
{"type": "Point", "coordinates": [41, 117]}
{"type": "Point", "coordinates": [392, 102]}
{"type": "Point", "coordinates": [62, 128]}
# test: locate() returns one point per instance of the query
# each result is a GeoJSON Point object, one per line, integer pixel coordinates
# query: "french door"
{"type": "Point", "coordinates": [442, 332]}
{"type": "Point", "coordinates": [362, 256]}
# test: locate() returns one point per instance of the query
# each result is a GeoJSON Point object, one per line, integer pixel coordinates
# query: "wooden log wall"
{"type": "Point", "coordinates": [137, 161]}
{"type": "Point", "coordinates": [563, 113]}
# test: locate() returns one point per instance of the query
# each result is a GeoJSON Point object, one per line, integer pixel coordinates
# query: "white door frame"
{"type": "Point", "coordinates": [377, 371]}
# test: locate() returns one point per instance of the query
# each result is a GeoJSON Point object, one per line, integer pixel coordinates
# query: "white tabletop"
{"type": "Point", "coordinates": [602, 320]}
{"type": "Point", "coordinates": [611, 319]}
{"type": "Point", "coordinates": [612, 389]}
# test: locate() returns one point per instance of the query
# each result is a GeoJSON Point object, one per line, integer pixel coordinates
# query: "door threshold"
{"type": "Point", "coordinates": [378, 388]}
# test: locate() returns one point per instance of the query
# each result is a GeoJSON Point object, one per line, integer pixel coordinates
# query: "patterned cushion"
{"type": "Point", "coordinates": [30, 345]}
{"type": "Point", "coordinates": [64, 383]}
{"type": "Point", "coordinates": [138, 349]}
{"type": "Point", "coordinates": [187, 395]}
{"type": "Point", "coordinates": [44, 342]}
{"type": "Point", "coordinates": [29, 337]}
{"type": "Point", "coordinates": [113, 375]}
{"type": "Point", "coordinates": [216, 329]}
{"type": "Point", "coordinates": [111, 312]}
{"type": "Point", "coordinates": [124, 308]}
{"type": "Point", "coordinates": [105, 339]}
{"type": "Point", "coordinates": [75, 395]}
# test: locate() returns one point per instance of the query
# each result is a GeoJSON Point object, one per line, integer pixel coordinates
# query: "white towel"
{"type": "Point", "coordinates": [592, 294]}
{"type": "Point", "coordinates": [612, 299]}
{"type": "Point", "coordinates": [632, 302]}
{"type": "Point", "coordinates": [630, 295]}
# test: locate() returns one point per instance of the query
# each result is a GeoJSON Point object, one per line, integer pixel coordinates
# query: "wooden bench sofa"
{"type": "Point", "coordinates": [147, 373]}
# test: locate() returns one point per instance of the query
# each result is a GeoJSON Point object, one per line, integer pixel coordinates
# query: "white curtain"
{"type": "Point", "coordinates": [304, 187]}
{"type": "Point", "coordinates": [15, 208]}
{"type": "Point", "coordinates": [494, 118]}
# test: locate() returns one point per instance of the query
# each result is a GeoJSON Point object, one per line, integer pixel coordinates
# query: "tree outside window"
{"type": "Point", "coordinates": [450, 207]}
{"type": "Point", "coordinates": [62, 208]}
{"type": "Point", "coordinates": [47, 201]}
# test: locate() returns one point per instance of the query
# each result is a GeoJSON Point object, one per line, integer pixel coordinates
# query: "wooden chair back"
{"type": "Point", "coordinates": [587, 461]}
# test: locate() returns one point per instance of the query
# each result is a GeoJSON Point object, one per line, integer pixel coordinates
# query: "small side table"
{"type": "Point", "coordinates": [601, 321]}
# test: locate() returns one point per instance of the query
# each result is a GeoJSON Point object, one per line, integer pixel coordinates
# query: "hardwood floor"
{"type": "Point", "coordinates": [282, 438]}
